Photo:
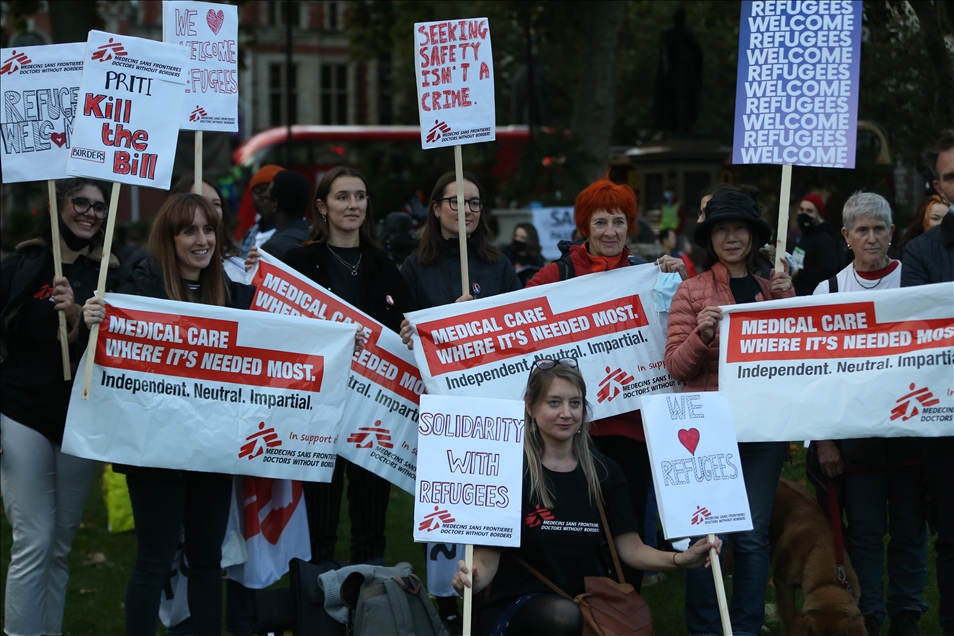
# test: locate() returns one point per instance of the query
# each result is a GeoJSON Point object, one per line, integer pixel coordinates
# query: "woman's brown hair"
{"type": "Point", "coordinates": [320, 231]}
{"type": "Point", "coordinates": [224, 235]}
{"type": "Point", "coordinates": [65, 189]}
{"type": "Point", "coordinates": [916, 228]}
{"type": "Point", "coordinates": [431, 249]}
{"type": "Point", "coordinates": [176, 214]}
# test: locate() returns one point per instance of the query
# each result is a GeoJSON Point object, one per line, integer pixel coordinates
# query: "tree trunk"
{"type": "Point", "coordinates": [931, 18]}
{"type": "Point", "coordinates": [72, 20]}
{"type": "Point", "coordinates": [593, 116]}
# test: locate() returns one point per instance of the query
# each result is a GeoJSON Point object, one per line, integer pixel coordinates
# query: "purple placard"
{"type": "Point", "coordinates": [796, 98]}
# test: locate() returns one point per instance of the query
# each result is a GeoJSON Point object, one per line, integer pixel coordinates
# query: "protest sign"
{"type": "Point", "coordinates": [455, 82]}
{"type": "Point", "coordinates": [199, 387]}
{"type": "Point", "coordinates": [836, 366]}
{"type": "Point", "coordinates": [379, 432]}
{"type": "Point", "coordinates": [470, 478]}
{"type": "Point", "coordinates": [41, 87]}
{"type": "Point", "coordinates": [131, 95]}
{"type": "Point", "coordinates": [210, 32]}
{"type": "Point", "coordinates": [797, 85]}
{"type": "Point", "coordinates": [486, 347]}
{"type": "Point", "coordinates": [553, 225]}
{"type": "Point", "coordinates": [695, 464]}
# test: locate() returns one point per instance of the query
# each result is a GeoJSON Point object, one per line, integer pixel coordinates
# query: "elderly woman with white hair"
{"type": "Point", "coordinates": [882, 477]}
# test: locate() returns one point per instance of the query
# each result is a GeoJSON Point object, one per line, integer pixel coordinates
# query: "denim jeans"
{"type": "Point", "coordinates": [761, 468]}
{"type": "Point", "coordinates": [937, 457]}
{"type": "Point", "coordinates": [164, 502]}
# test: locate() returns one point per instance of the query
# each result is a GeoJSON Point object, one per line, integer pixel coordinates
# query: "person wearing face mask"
{"type": "Point", "coordinates": [815, 252]}
{"type": "Point", "coordinates": [524, 251]}
{"type": "Point", "coordinates": [45, 490]}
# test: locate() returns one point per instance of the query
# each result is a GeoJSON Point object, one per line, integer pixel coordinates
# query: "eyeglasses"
{"type": "Point", "coordinates": [549, 363]}
{"type": "Point", "coordinates": [82, 205]}
{"type": "Point", "coordinates": [475, 205]}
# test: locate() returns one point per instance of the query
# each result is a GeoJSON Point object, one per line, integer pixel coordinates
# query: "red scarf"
{"type": "Point", "coordinates": [604, 263]}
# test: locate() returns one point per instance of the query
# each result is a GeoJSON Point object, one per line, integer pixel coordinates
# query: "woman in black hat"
{"type": "Point", "coordinates": [731, 236]}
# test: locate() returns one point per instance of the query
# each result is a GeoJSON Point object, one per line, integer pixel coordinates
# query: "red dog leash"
{"type": "Point", "coordinates": [834, 515]}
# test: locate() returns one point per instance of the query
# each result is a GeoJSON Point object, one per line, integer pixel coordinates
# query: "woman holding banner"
{"type": "Point", "coordinates": [731, 235]}
{"type": "Point", "coordinates": [883, 477]}
{"type": "Point", "coordinates": [186, 266]}
{"type": "Point", "coordinates": [566, 483]}
{"type": "Point", "coordinates": [45, 490]}
{"type": "Point", "coordinates": [342, 255]}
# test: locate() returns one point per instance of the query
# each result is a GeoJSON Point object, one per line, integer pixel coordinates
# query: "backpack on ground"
{"type": "Point", "coordinates": [390, 601]}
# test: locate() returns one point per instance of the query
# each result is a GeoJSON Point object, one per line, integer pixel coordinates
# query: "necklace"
{"type": "Point", "coordinates": [858, 279]}
{"type": "Point", "coordinates": [353, 268]}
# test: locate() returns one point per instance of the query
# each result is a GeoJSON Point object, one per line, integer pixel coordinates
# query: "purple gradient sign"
{"type": "Point", "coordinates": [796, 96]}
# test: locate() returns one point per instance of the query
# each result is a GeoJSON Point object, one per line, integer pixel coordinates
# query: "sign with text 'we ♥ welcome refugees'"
{"type": "Point", "coordinates": [199, 387]}
{"type": "Point", "coordinates": [41, 87]}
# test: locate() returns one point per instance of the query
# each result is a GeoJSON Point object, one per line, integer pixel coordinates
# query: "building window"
{"type": "Point", "coordinates": [334, 94]}
{"type": "Point", "coordinates": [278, 10]}
{"type": "Point", "coordinates": [277, 95]}
{"type": "Point", "coordinates": [333, 15]}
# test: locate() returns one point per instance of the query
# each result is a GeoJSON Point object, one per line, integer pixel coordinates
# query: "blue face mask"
{"type": "Point", "coordinates": [667, 196]}
{"type": "Point", "coordinates": [664, 289]}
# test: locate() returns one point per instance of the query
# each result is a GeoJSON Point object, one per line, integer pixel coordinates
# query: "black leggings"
{"type": "Point", "coordinates": [546, 615]}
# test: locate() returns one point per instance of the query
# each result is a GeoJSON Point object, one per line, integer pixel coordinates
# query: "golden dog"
{"type": "Point", "coordinates": [803, 555]}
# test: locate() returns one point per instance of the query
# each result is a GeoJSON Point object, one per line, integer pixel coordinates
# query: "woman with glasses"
{"type": "Point", "coordinates": [45, 490]}
{"type": "Point", "coordinates": [565, 482]}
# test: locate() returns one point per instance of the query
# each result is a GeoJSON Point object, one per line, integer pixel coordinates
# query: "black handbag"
{"type": "Point", "coordinates": [308, 599]}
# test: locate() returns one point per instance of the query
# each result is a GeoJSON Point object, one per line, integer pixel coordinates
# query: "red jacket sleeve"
{"type": "Point", "coordinates": [686, 353]}
{"type": "Point", "coordinates": [549, 274]}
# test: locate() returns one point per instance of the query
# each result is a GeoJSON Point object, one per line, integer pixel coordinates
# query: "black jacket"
{"type": "Point", "coordinates": [146, 280]}
{"type": "Point", "coordinates": [930, 257]}
{"type": "Point", "coordinates": [821, 258]}
{"type": "Point", "coordinates": [288, 236]}
{"type": "Point", "coordinates": [433, 285]}
{"type": "Point", "coordinates": [383, 293]}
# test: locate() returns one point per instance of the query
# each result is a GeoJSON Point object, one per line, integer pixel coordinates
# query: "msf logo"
{"type": "Point", "coordinates": [13, 63]}
{"type": "Point", "coordinates": [907, 405]}
{"type": "Point", "coordinates": [256, 443]}
{"type": "Point", "coordinates": [537, 516]}
{"type": "Point", "coordinates": [435, 520]}
{"type": "Point", "coordinates": [440, 128]}
{"type": "Point", "coordinates": [362, 438]}
{"type": "Point", "coordinates": [612, 384]}
{"type": "Point", "coordinates": [700, 515]}
{"type": "Point", "coordinates": [108, 51]}
{"type": "Point", "coordinates": [198, 113]}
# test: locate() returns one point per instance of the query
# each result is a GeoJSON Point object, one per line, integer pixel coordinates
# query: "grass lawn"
{"type": "Point", "coordinates": [101, 563]}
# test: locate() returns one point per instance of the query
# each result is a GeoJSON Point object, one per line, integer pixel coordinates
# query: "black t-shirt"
{"type": "Point", "coordinates": [744, 290]}
{"type": "Point", "coordinates": [564, 543]}
{"type": "Point", "coordinates": [343, 284]}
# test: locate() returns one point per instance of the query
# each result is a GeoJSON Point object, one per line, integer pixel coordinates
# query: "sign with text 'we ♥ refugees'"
{"type": "Point", "coordinates": [837, 366]}
{"type": "Point", "coordinates": [454, 67]}
{"type": "Point", "coordinates": [40, 95]}
{"type": "Point", "coordinates": [798, 81]}
{"type": "Point", "coordinates": [199, 387]}
{"type": "Point", "coordinates": [379, 432]}
{"type": "Point", "coordinates": [127, 124]}
{"type": "Point", "coordinates": [486, 347]}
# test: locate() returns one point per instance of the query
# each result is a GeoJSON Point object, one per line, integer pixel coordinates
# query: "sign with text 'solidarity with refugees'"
{"type": "Point", "coordinates": [454, 67]}
{"type": "Point", "coordinates": [127, 124]}
{"type": "Point", "coordinates": [606, 321]}
{"type": "Point", "coordinates": [210, 32]}
{"type": "Point", "coordinates": [797, 88]}
{"type": "Point", "coordinates": [837, 366]}
{"type": "Point", "coordinates": [379, 432]}
{"type": "Point", "coordinates": [198, 387]}
{"type": "Point", "coordinates": [40, 95]}
{"type": "Point", "coordinates": [470, 474]}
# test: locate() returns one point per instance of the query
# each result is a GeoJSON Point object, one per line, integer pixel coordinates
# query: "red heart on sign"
{"type": "Point", "coordinates": [215, 20]}
{"type": "Point", "coordinates": [58, 138]}
{"type": "Point", "coordinates": [689, 439]}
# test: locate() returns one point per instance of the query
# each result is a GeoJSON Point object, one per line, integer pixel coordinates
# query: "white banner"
{"type": "Point", "coordinates": [553, 225]}
{"type": "Point", "coordinates": [486, 347]}
{"type": "Point", "coordinates": [470, 479]}
{"type": "Point", "coordinates": [40, 95]}
{"type": "Point", "coordinates": [837, 366]}
{"type": "Point", "coordinates": [455, 82]}
{"type": "Point", "coordinates": [695, 461]}
{"type": "Point", "coordinates": [198, 387]}
{"type": "Point", "coordinates": [379, 432]}
{"type": "Point", "coordinates": [210, 32]}
{"type": "Point", "coordinates": [128, 122]}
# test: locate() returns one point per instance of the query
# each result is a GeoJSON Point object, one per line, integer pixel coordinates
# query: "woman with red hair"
{"type": "Point", "coordinates": [605, 214]}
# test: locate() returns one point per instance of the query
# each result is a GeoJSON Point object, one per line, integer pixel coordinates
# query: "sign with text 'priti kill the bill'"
{"type": "Point", "coordinates": [128, 119]}
{"type": "Point", "coordinates": [40, 93]}
{"type": "Point", "coordinates": [797, 88]}
{"type": "Point", "coordinates": [454, 66]}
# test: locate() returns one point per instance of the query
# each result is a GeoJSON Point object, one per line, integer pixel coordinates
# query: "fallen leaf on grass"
{"type": "Point", "coordinates": [85, 591]}
{"type": "Point", "coordinates": [94, 558]}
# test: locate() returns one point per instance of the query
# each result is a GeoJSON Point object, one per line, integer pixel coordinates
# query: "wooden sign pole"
{"type": "Point", "coordinates": [58, 272]}
{"type": "Point", "coordinates": [781, 234]}
{"type": "Point", "coordinates": [469, 562]}
{"type": "Point", "coordinates": [197, 184]}
{"type": "Point", "coordinates": [461, 224]}
{"type": "Point", "coordinates": [720, 587]}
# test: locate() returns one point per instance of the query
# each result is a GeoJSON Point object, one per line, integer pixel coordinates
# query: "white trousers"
{"type": "Point", "coordinates": [44, 492]}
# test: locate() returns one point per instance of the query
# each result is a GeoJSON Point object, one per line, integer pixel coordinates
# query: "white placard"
{"type": "Point", "coordinates": [127, 124]}
{"type": "Point", "coordinates": [695, 461]}
{"type": "Point", "coordinates": [41, 87]}
{"type": "Point", "coordinates": [210, 32]}
{"type": "Point", "coordinates": [553, 225]}
{"type": "Point", "coordinates": [454, 66]}
{"type": "Point", "coordinates": [470, 471]}
{"type": "Point", "coordinates": [199, 387]}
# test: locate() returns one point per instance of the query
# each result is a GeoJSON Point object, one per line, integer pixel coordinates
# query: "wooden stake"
{"type": "Point", "coordinates": [720, 585]}
{"type": "Point", "coordinates": [58, 272]}
{"type": "Point", "coordinates": [461, 225]}
{"type": "Point", "coordinates": [197, 184]}
{"type": "Point", "coordinates": [469, 562]}
{"type": "Point", "coordinates": [781, 234]}
{"type": "Point", "coordinates": [101, 286]}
